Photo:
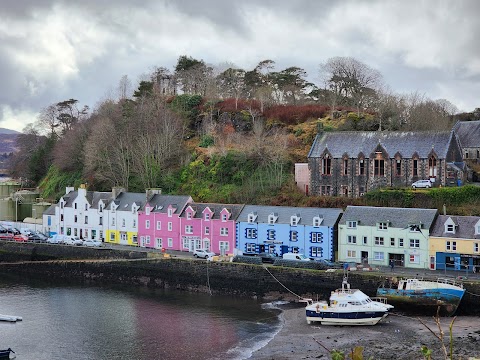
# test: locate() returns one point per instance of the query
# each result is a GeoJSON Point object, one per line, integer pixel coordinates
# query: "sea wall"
{"type": "Point", "coordinates": [270, 282]}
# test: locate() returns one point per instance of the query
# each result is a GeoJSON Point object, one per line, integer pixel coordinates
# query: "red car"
{"type": "Point", "coordinates": [20, 238]}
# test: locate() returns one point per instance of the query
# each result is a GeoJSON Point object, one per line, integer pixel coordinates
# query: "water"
{"type": "Point", "coordinates": [74, 322]}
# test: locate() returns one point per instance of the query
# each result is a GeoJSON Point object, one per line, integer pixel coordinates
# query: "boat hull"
{"type": "Point", "coordinates": [447, 299]}
{"type": "Point", "coordinates": [346, 318]}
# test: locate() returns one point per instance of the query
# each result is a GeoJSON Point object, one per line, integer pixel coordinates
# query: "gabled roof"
{"type": "Point", "coordinates": [396, 217]}
{"type": "Point", "coordinates": [306, 214]}
{"type": "Point", "coordinates": [234, 209]}
{"type": "Point", "coordinates": [404, 143]}
{"type": "Point", "coordinates": [465, 227]}
{"type": "Point", "coordinates": [50, 210]}
{"type": "Point", "coordinates": [125, 201]}
{"type": "Point", "coordinates": [160, 202]}
{"type": "Point", "coordinates": [70, 198]}
{"type": "Point", "coordinates": [97, 196]}
{"type": "Point", "coordinates": [468, 133]}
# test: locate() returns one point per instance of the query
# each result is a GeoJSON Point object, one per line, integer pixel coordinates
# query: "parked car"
{"type": "Point", "coordinates": [203, 253]}
{"type": "Point", "coordinates": [298, 257]}
{"type": "Point", "coordinates": [72, 240]}
{"type": "Point", "coordinates": [92, 243]}
{"type": "Point", "coordinates": [20, 238]}
{"type": "Point", "coordinates": [426, 184]}
{"type": "Point", "coordinates": [267, 258]}
{"type": "Point", "coordinates": [36, 238]}
{"type": "Point", "coordinates": [25, 231]}
{"type": "Point", "coordinates": [55, 239]}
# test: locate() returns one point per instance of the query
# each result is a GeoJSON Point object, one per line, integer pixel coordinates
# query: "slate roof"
{"type": "Point", "coordinates": [69, 198]}
{"type": "Point", "coordinates": [284, 213]}
{"type": "Point", "coordinates": [50, 210]}
{"type": "Point", "coordinates": [96, 196]}
{"type": "Point", "coordinates": [397, 217]}
{"type": "Point", "coordinates": [160, 202]}
{"type": "Point", "coordinates": [234, 209]}
{"type": "Point", "coordinates": [125, 200]}
{"type": "Point", "coordinates": [405, 143]}
{"type": "Point", "coordinates": [468, 133]}
{"type": "Point", "coordinates": [465, 228]}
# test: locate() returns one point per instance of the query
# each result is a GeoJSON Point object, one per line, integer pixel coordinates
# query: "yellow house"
{"type": "Point", "coordinates": [455, 243]}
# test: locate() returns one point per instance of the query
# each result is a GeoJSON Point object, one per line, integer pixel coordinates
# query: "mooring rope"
{"type": "Point", "coordinates": [290, 291]}
{"type": "Point", "coordinates": [468, 292]}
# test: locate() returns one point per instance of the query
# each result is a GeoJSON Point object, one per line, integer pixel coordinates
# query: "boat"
{"type": "Point", "coordinates": [444, 294]}
{"type": "Point", "coordinates": [347, 307]}
{"type": "Point", "coordinates": [5, 354]}
{"type": "Point", "coordinates": [10, 318]}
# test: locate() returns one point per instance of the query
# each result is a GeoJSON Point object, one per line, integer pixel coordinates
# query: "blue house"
{"type": "Point", "coordinates": [280, 229]}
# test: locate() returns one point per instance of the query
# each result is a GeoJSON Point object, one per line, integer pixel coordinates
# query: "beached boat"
{"type": "Point", "coordinates": [7, 354]}
{"type": "Point", "coordinates": [10, 318]}
{"type": "Point", "coordinates": [348, 307]}
{"type": "Point", "coordinates": [444, 293]}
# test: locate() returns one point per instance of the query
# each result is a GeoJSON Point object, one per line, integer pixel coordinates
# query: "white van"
{"type": "Point", "coordinates": [298, 257]}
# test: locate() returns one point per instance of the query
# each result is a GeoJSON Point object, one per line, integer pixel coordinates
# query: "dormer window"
{"type": "Point", "coordinates": [100, 209]}
{"type": "Point", "coordinates": [224, 217]}
{"type": "Point", "coordinates": [317, 221]}
{"type": "Point", "coordinates": [147, 210]}
{"type": "Point", "coordinates": [61, 205]}
{"type": "Point", "coordinates": [207, 217]}
{"type": "Point", "coordinates": [352, 224]}
{"type": "Point", "coordinates": [294, 220]}
{"type": "Point", "coordinates": [477, 228]}
{"type": "Point", "coordinates": [449, 226]}
{"type": "Point", "coordinates": [382, 226]}
{"type": "Point", "coordinates": [271, 219]}
{"type": "Point", "coordinates": [414, 228]}
{"type": "Point", "coordinates": [86, 207]}
{"type": "Point", "coordinates": [170, 212]}
{"type": "Point", "coordinates": [252, 217]}
{"type": "Point", "coordinates": [75, 206]}
{"type": "Point", "coordinates": [189, 215]}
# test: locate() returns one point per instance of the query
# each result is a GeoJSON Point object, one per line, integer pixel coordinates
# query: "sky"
{"type": "Point", "coordinates": [54, 50]}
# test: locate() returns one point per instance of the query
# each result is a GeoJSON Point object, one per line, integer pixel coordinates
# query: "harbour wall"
{"type": "Point", "coordinates": [134, 269]}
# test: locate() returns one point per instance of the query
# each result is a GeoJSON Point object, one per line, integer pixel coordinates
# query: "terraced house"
{"type": "Point", "coordinates": [455, 243]}
{"type": "Point", "coordinates": [378, 235]}
{"type": "Point", "coordinates": [280, 230]}
{"type": "Point", "coordinates": [352, 163]}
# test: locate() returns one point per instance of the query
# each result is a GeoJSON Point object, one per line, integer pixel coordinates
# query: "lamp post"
{"type": "Point", "coordinates": [34, 214]}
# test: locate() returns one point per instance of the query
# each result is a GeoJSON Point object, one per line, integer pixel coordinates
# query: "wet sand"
{"type": "Point", "coordinates": [397, 337]}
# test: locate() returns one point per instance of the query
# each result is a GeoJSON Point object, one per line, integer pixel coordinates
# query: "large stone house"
{"type": "Point", "coordinates": [352, 163]}
{"type": "Point", "coordinates": [468, 133]}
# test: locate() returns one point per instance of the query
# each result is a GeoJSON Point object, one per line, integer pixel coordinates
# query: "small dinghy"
{"type": "Point", "coordinates": [10, 318]}
{"type": "Point", "coordinates": [6, 354]}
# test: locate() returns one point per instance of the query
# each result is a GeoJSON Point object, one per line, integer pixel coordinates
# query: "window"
{"type": "Point", "coordinates": [147, 224]}
{"type": "Point", "coordinates": [317, 221]}
{"type": "Point", "coordinates": [158, 243]}
{"type": "Point", "coordinates": [69, 231]}
{"type": "Point", "coordinates": [251, 233]}
{"type": "Point", "coordinates": [293, 220]}
{"type": "Point", "coordinates": [432, 166]}
{"type": "Point", "coordinates": [271, 234]}
{"type": "Point", "coordinates": [170, 242]}
{"type": "Point", "coordinates": [86, 219]}
{"type": "Point", "coordinates": [293, 236]}
{"type": "Point", "coordinates": [317, 237]}
{"type": "Point", "coordinates": [250, 247]}
{"type": "Point", "coordinates": [100, 234]}
{"type": "Point", "coordinates": [207, 217]}
{"type": "Point", "coordinates": [326, 165]}
{"type": "Point", "coordinates": [400, 242]}
{"type": "Point", "coordinates": [188, 229]}
{"type": "Point", "coordinates": [379, 256]}
{"type": "Point", "coordinates": [147, 210]}
{"type": "Point", "coordinates": [379, 167]}
{"type": "Point", "coordinates": [61, 217]}
{"type": "Point", "coordinates": [451, 245]}
{"type": "Point", "coordinates": [207, 230]}
{"type": "Point", "coordinates": [112, 236]}
{"type": "Point", "coordinates": [351, 224]}
{"type": "Point", "coordinates": [351, 254]}
{"type": "Point", "coordinates": [379, 241]}
{"type": "Point", "coordinates": [94, 234]}
{"type": "Point", "coordinates": [476, 247]}
{"type": "Point", "coordinates": [159, 225]}
{"type": "Point", "coordinates": [113, 221]}
{"type": "Point", "coordinates": [134, 223]}
{"type": "Point", "coordinates": [170, 226]}
{"type": "Point", "coordinates": [325, 189]}
{"type": "Point", "coordinates": [382, 226]}
{"type": "Point", "coordinates": [189, 215]}
{"type": "Point", "coordinates": [75, 232]}
{"type": "Point", "coordinates": [414, 243]}
{"type": "Point", "coordinates": [100, 209]}
{"type": "Point", "coordinates": [317, 251]}
{"type": "Point", "coordinates": [75, 218]}
{"type": "Point", "coordinates": [450, 228]}
{"type": "Point", "coordinates": [392, 241]}
{"type": "Point", "coordinates": [466, 154]}
{"type": "Point", "coordinates": [61, 205]}
{"type": "Point", "coordinates": [414, 259]}
{"type": "Point", "coordinates": [75, 206]}
{"type": "Point", "coordinates": [345, 166]}
{"type": "Point", "coordinates": [398, 167]}
{"type": "Point", "coordinates": [170, 212]}
{"type": "Point", "coordinates": [225, 245]}
{"type": "Point", "coordinates": [147, 239]}
{"type": "Point", "coordinates": [251, 218]}
{"type": "Point", "coordinates": [351, 239]}
{"type": "Point", "coordinates": [365, 240]}
{"type": "Point", "coordinates": [271, 219]}
{"type": "Point", "coordinates": [123, 222]}
{"type": "Point", "coordinates": [100, 220]}
{"type": "Point", "coordinates": [415, 167]}
{"type": "Point", "coordinates": [224, 218]}
{"type": "Point", "coordinates": [86, 207]}
{"type": "Point", "coordinates": [361, 167]}
{"type": "Point", "coordinates": [185, 243]}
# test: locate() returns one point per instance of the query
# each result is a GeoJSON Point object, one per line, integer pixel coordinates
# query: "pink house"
{"type": "Point", "coordinates": [209, 226]}
{"type": "Point", "coordinates": [159, 222]}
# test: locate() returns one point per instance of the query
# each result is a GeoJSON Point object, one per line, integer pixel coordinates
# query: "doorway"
{"type": "Point", "coordinates": [398, 259]}
{"type": "Point", "coordinates": [364, 257]}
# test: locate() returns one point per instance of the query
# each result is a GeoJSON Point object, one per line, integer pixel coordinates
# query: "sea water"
{"type": "Point", "coordinates": [90, 322]}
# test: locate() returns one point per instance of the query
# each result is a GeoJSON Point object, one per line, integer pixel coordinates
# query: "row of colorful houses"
{"type": "Point", "coordinates": [414, 238]}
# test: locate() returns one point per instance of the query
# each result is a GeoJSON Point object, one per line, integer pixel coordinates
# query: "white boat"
{"type": "Point", "coordinates": [348, 307]}
{"type": "Point", "coordinates": [10, 318]}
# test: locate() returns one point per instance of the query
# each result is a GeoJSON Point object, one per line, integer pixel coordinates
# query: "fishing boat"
{"type": "Point", "coordinates": [443, 292]}
{"type": "Point", "coordinates": [10, 318]}
{"type": "Point", "coordinates": [5, 354]}
{"type": "Point", "coordinates": [348, 307]}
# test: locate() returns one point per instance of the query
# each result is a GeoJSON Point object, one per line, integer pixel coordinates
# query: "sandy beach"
{"type": "Point", "coordinates": [397, 337]}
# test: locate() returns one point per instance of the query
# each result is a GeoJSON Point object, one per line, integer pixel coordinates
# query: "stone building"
{"type": "Point", "coordinates": [468, 133]}
{"type": "Point", "coordinates": [352, 163]}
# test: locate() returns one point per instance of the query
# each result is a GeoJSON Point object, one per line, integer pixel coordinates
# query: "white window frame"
{"type": "Point", "coordinates": [414, 243]}
{"type": "Point", "coordinates": [147, 224]}
{"type": "Point", "coordinates": [351, 239]}
{"type": "Point", "coordinates": [382, 226]}
{"type": "Point", "coordinates": [159, 225]}
{"type": "Point", "coordinates": [400, 242]}
{"type": "Point", "coordinates": [170, 242]}
{"type": "Point", "coordinates": [188, 229]}
{"type": "Point", "coordinates": [351, 254]}
{"type": "Point", "coordinates": [170, 226]}
{"type": "Point", "coordinates": [351, 224]}
{"type": "Point", "coordinates": [378, 256]}
{"type": "Point", "coordinates": [207, 230]}
{"type": "Point", "coordinates": [365, 240]}
{"type": "Point", "coordinates": [379, 241]}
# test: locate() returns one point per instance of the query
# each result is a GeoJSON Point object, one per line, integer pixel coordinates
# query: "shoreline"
{"type": "Point", "coordinates": [396, 337]}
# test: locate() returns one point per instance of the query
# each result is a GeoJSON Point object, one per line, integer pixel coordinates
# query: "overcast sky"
{"type": "Point", "coordinates": [52, 50]}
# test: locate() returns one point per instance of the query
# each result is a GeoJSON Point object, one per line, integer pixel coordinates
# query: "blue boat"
{"type": "Point", "coordinates": [443, 293]}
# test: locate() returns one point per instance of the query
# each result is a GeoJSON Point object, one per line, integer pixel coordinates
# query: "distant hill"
{"type": "Point", "coordinates": [8, 131]}
{"type": "Point", "coordinates": [8, 141]}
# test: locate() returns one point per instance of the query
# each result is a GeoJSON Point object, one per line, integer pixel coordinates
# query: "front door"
{"type": "Point", "coordinates": [206, 244]}
{"type": "Point", "coordinates": [432, 262]}
{"type": "Point", "coordinates": [365, 257]}
{"type": "Point", "coordinates": [123, 238]}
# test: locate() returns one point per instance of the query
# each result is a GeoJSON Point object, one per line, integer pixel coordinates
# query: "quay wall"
{"type": "Point", "coordinates": [270, 282]}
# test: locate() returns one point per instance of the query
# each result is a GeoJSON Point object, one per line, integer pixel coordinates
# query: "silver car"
{"type": "Point", "coordinates": [426, 184]}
